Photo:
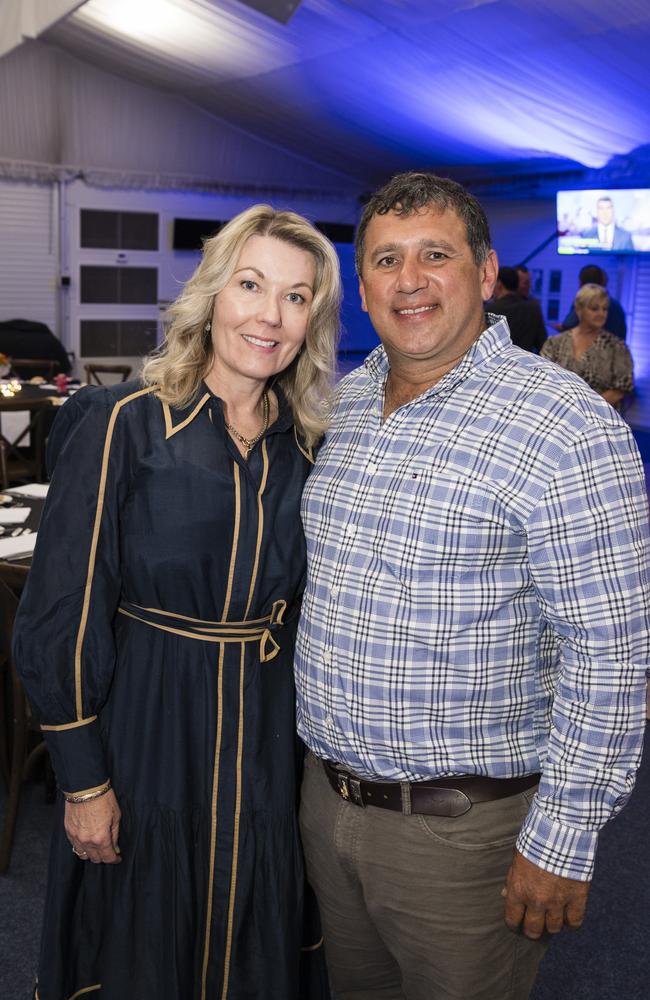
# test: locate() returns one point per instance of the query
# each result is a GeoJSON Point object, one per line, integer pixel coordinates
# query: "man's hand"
{"type": "Point", "coordinates": [542, 900]}
{"type": "Point", "coordinates": [93, 828]}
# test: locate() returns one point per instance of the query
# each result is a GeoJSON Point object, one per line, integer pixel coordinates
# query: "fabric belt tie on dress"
{"type": "Point", "coordinates": [438, 797]}
{"type": "Point", "coordinates": [256, 630]}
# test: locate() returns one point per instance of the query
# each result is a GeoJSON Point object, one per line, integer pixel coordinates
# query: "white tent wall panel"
{"type": "Point", "coordinates": [28, 252]}
{"type": "Point", "coordinates": [60, 113]}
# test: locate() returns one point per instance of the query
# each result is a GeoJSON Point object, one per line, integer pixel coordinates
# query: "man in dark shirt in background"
{"type": "Point", "coordinates": [527, 328]}
{"type": "Point", "coordinates": [523, 288]}
{"type": "Point", "coordinates": [615, 323]}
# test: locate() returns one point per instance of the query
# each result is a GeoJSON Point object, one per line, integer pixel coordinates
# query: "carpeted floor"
{"type": "Point", "coordinates": [608, 959]}
{"type": "Point", "coordinates": [21, 894]}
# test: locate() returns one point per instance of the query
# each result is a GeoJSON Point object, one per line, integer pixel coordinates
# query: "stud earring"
{"type": "Point", "coordinates": [208, 327]}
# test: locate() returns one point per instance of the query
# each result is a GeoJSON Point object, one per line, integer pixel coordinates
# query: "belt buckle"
{"type": "Point", "coordinates": [350, 789]}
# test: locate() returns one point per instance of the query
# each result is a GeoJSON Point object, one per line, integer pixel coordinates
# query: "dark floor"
{"type": "Point", "coordinates": [21, 894]}
{"type": "Point", "coordinates": [608, 959]}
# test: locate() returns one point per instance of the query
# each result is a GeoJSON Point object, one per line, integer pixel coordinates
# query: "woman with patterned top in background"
{"type": "Point", "coordinates": [156, 631]}
{"type": "Point", "coordinates": [590, 351]}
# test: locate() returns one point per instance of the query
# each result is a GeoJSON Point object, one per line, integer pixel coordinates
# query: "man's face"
{"type": "Point", "coordinates": [421, 287]}
{"type": "Point", "coordinates": [605, 213]}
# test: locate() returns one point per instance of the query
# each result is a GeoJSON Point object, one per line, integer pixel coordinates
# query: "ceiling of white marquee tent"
{"type": "Point", "coordinates": [368, 87]}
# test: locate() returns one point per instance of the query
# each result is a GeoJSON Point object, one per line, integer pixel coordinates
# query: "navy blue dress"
{"type": "Point", "coordinates": [155, 640]}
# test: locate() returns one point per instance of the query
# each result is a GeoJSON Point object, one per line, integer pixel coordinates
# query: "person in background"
{"type": "Point", "coordinates": [525, 320]}
{"type": "Point", "coordinates": [155, 637]}
{"type": "Point", "coordinates": [523, 281]}
{"type": "Point", "coordinates": [471, 655]}
{"type": "Point", "coordinates": [615, 323]}
{"type": "Point", "coordinates": [591, 351]}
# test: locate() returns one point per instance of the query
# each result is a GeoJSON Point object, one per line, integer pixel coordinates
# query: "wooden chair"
{"type": "Point", "coordinates": [16, 760]}
{"type": "Point", "coordinates": [94, 371]}
{"type": "Point", "coordinates": [27, 368]}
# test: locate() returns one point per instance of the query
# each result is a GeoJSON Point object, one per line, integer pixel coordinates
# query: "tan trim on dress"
{"type": "Point", "coordinates": [235, 833]}
{"type": "Point", "coordinates": [309, 455]}
{"type": "Point", "coordinates": [213, 830]}
{"type": "Point", "coordinates": [86, 989]}
{"type": "Point", "coordinates": [93, 544]}
{"type": "Point", "coordinates": [313, 947]}
{"type": "Point", "coordinates": [260, 526]}
{"type": "Point", "coordinates": [273, 617]}
{"type": "Point", "coordinates": [269, 648]}
{"type": "Point", "coordinates": [229, 635]}
{"type": "Point", "coordinates": [235, 542]}
{"type": "Point", "coordinates": [170, 430]}
{"type": "Point", "coordinates": [69, 725]}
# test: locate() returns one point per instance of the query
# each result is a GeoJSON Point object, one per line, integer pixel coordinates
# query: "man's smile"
{"type": "Point", "coordinates": [415, 311]}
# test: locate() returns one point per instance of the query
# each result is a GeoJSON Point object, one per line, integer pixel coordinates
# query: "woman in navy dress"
{"type": "Point", "coordinates": [156, 630]}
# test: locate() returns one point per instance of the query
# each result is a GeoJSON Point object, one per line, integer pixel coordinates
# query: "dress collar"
{"type": "Point", "coordinates": [178, 418]}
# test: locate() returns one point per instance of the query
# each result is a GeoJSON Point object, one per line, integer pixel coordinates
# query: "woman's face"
{"type": "Point", "coordinates": [259, 320]}
{"type": "Point", "coordinates": [593, 316]}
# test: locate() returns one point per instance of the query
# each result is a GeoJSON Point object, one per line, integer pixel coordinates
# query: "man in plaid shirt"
{"type": "Point", "coordinates": [471, 657]}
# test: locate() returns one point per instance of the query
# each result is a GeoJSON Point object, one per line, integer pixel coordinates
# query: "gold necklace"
{"type": "Point", "coordinates": [249, 443]}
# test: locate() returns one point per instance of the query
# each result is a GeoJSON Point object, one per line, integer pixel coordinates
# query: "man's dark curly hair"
{"type": "Point", "coordinates": [408, 192]}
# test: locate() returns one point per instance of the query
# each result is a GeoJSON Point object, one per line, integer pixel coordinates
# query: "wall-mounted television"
{"type": "Point", "coordinates": [604, 221]}
{"type": "Point", "coordinates": [189, 234]}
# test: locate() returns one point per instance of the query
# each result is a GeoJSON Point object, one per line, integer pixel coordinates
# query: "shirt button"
{"type": "Point", "coordinates": [329, 722]}
{"type": "Point", "coordinates": [371, 468]}
{"type": "Point", "coordinates": [351, 530]}
{"type": "Point", "coordinates": [334, 591]}
{"type": "Point", "coordinates": [327, 656]}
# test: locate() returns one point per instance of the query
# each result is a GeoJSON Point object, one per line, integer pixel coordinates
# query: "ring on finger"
{"type": "Point", "coordinates": [80, 854]}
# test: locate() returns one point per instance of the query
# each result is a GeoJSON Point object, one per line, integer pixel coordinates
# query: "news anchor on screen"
{"type": "Point", "coordinates": [606, 232]}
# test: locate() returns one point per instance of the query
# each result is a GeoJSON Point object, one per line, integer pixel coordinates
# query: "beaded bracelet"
{"type": "Point", "coordinates": [95, 793]}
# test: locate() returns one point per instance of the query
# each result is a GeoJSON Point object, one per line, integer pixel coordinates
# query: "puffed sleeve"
{"type": "Point", "coordinates": [63, 637]}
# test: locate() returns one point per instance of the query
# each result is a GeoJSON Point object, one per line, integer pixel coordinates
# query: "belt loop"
{"type": "Point", "coordinates": [406, 797]}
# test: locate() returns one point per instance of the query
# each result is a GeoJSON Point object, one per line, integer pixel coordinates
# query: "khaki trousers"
{"type": "Point", "coordinates": [411, 905]}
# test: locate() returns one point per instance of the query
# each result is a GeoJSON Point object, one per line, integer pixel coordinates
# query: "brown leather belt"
{"type": "Point", "coordinates": [439, 797]}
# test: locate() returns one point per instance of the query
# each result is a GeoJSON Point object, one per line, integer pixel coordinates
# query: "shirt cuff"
{"type": "Point", "coordinates": [77, 755]}
{"type": "Point", "coordinates": [557, 848]}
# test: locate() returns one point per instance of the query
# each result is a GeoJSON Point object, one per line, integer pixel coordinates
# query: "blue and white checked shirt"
{"type": "Point", "coordinates": [477, 597]}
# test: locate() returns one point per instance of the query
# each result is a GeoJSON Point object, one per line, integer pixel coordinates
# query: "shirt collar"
{"type": "Point", "coordinates": [491, 342]}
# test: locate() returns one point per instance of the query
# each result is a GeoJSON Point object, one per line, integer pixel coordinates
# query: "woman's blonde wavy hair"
{"type": "Point", "coordinates": [184, 359]}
